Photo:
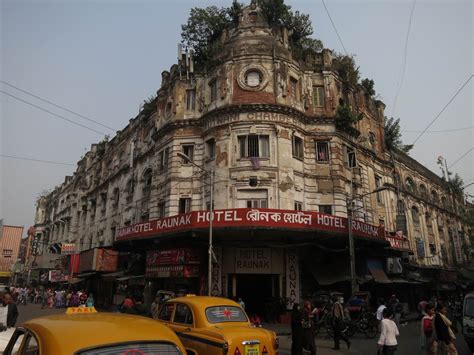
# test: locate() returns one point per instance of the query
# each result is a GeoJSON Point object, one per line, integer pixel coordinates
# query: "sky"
{"type": "Point", "coordinates": [102, 58]}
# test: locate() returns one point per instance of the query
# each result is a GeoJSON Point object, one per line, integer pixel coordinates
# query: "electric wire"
{"type": "Point", "coordinates": [442, 130]}
{"type": "Point", "coordinates": [334, 26]}
{"type": "Point", "coordinates": [54, 114]}
{"type": "Point", "coordinates": [404, 64]}
{"type": "Point", "coordinates": [459, 159]}
{"type": "Point", "coordinates": [58, 106]}
{"type": "Point", "coordinates": [35, 160]}
{"type": "Point", "coordinates": [444, 108]}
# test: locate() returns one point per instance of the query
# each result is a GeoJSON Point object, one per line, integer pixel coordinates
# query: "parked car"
{"type": "Point", "coordinates": [84, 331]}
{"type": "Point", "coordinates": [213, 325]}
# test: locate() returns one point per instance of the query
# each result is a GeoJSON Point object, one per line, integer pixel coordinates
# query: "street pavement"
{"type": "Point", "coordinates": [408, 342]}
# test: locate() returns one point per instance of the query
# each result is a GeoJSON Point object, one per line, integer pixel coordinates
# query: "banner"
{"type": "Point", "coordinates": [250, 218]}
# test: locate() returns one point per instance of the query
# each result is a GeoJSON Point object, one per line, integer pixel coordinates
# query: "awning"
{"type": "Point", "coordinates": [126, 278]}
{"type": "Point", "coordinates": [113, 275]}
{"type": "Point", "coordinates": [330, 274]}
{"type": "Point", "coordinates": [86, 274]}
{"type": "Point", "coordinates": [74, 281]}
{"type": "Point", "coordinates": [379, 276]}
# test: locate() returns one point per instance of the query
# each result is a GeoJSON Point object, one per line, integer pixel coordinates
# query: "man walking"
{"type": "Point", "coordinates": [338, 323]}
{"type": "Point", "coordinates": [396, 308]}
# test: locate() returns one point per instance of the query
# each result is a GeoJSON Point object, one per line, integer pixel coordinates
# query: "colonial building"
{"type": "Point", "coordinates": [264, 150]}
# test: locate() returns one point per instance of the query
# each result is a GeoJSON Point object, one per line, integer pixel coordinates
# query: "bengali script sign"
{"type": "Point", "coordinates": [250, 218]}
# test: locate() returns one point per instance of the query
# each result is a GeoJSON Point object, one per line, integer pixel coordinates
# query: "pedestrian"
{"type": "Point", "coordinates": [50, 298]}
{"type": "Point", "coordinates": [380, 309]}
{"type": "Point", "coordinates": [127, 304]}
{"type": "Point", "coordinates": [138, 308]}
{"type": "Point", "coordinates": [444, 334]}
{"type": "Point", "coordinates": [338, 324]}
{"type": "Point", "coordinates": [308, 328]}
{"type": "Point", "coordinates": [427, 331]}
{"type": "Point", "coordinates": [387, 342]}
{"type": "Point", "coordinates": [75, 299]}
{"type": "Point", "coordinates": [44, 298]}
{"type": "Point", "coordinates": [90, 300]}
{"type": "Point", "coordinates": [297, 333]}
{"type": "Point", "coordinates": [396, 307]}
{"type": "Point", "coordinates": [155, 307]}
{"type": "Point", "coordinates": [12, 312]}
{"type": "Point", "coordinates": [421, 307]}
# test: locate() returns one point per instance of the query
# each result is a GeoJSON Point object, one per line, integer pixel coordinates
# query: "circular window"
{"type": "Point", "coordinates": [253, 78]}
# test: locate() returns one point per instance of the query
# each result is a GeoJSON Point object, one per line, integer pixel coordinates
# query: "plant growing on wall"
{"type": "Point", "coordinates": [347, 69]}
{"type": "Point", "coordinates": [345, 119]}
{"type": "Point", "coordinates": [393, 136]}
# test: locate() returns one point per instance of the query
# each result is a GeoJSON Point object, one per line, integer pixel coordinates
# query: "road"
{"type": "Point", "coordinates": [409, 341]}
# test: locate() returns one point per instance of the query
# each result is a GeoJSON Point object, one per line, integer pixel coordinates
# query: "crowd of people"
{"type": "Point", "coordinates": [439, 323]}
{"type": "Point", "coordinates": [52, 298]}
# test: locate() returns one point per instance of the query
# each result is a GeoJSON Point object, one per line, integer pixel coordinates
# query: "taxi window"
{"type": "Point", "coordinates": [31, 347]}
{"type": "Point", "coordinates": [145, 348]}
{"type": "Point", "coordinates": [222, 314]}
{"type": "Point", "coordinates": [166, 311]}
{"type": "Point", "coordinates": [183, 314]}
{"type": "Point", "coordinates": [15, 341]}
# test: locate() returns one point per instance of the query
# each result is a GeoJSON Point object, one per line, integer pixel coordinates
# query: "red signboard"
{"type": "Point", "coordinates": [250, 218]}
{"type": "Point", "coordinates": [172, 257]}
{"type": "Point", "coordinates": [184, 271]}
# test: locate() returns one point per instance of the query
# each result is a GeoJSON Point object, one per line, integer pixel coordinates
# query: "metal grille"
{"type": "Point", "coordinates": [322, 151]}
{"type": "Point", "coordinates": [252, 146]}
{"type": "Point", "coordinates": [135, 348]}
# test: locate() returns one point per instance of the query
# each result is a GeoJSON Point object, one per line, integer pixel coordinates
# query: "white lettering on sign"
{"type": "Point", "coordinates": [216, 286]}
{"type": "Point", "coordinates": [292, 277]}
{"type": "Point", "coordinates": [219, 216]}
{"type": "Point", "coordinates": [253, 261]}
{"type": "Point", "coordinates": [252, 116]}
{"type": "Point", "coordinates": [331, 221]}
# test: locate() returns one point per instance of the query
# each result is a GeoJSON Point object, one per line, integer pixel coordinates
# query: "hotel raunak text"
{"type": "Point", "coordinates": [260, 219]}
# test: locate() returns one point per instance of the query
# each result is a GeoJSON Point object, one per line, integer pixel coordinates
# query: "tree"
{"type": "Point", "coordinates": [393, 136]}
{"type": "Point", "coordinates": [275, 11]}
{"type": "Point", "coordinates": [368, 86]}
{"type": "Point", "coordinates": [203, 28]}
{"type": "Point", "coordinates": [235, 11]}
{"type": "Point", "coordinates": [299, 26]}
{"type": "Point", "coordinates": [456, 183]}
{"type": "Point", "coordinates": [345, 119]}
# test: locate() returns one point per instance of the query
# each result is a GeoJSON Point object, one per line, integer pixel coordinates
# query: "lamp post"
{"type": "Point", "coordinates": [351, 236]}
{"type": "Point", "coordinates": [211, 218]}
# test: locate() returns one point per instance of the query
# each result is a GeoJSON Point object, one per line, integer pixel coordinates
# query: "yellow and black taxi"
{"type": "Point", "coordinates": [84, 331]}
{"type": "Point", "coordinates": [212, 325]}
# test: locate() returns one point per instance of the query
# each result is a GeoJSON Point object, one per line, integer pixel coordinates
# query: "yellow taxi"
{"type": "Point", "coordinates": [212, 325]}
{"type": "Point", "coordinates": [84, 331]}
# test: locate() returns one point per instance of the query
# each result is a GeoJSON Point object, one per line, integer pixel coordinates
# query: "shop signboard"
{"type": "Point", "coordinates": [292, 277]}
{"type": "Point", "coordinates": [172, 257]}
{"type": "Point", "coordinates": [35, 245]}
{"type": "Point", "coordinates": [98, 259]}
{"type": "Point", "coordinates": [398, 241]}
{"type": "Point", "coordinates": [253, 261]}
{"type": "Point", "coordinates": [57, 276]}
{"type": "Point", "coordinates": [165, 271]}
{"type": "Point", "coordinates": [250, 218]}
{"type": "Point", "coordinates": [68, 248]}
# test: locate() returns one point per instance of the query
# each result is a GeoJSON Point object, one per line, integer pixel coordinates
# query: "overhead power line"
{"type": "Point", "coordinates": [405, 56]}
{"type": "Point", "coordinates": [444, 108]}
{"type": "Point", "coordinates": [36, 160]}
{"type": "Point", "coordinates": [54, 114]}
{"type": "Point", "coordinates": [58, 106]}
{"type": "Point", "coordinates": [460, 158]}
{"type": "Point", "coordinates": [334, 26]}
{"type": "Point", "coordinates": [442, 130]}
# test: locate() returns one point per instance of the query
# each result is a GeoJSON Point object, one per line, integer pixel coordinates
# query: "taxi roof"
{"type": "Point", "coordinates": [205, 301]}
{"type": "Point", "coordinates": [68, 333]}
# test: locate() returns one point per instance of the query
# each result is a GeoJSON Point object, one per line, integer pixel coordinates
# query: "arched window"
{"type": "Point", "coordinates": [423, 190]}
{"type": "Point", "coordinates": [147, 177]}
{"type": "Point", "coordinates": [410, 185]}
{"type": "Point", "coordinates": [434, 196]}
{"type": "Point", "coordinates": [115, 197]}
{"type": "Point", "coordinates": [415, 215]}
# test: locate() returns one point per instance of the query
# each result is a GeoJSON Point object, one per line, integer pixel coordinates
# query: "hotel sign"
{"type": "Point", "coordinates": [271, 117]}
{"type": "Point", "coordinates": [250, 218]}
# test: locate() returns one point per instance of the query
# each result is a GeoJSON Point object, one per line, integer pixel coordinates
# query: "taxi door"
{"type": "Point", "coordinates": [183, 325]}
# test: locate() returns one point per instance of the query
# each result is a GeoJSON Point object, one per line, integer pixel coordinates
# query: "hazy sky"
{"type": "Point", "coordinates": [102, 58]}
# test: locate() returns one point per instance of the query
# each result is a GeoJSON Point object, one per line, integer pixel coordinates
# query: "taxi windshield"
{"type": "Point", "coordinates": [143, 348]}
{"type": "Point", "coordinates": [222, 314]}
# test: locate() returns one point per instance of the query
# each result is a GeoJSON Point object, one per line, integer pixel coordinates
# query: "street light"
{"type": "Point", "coordinates": [351, 237]}
{"type": "Point", "coordinates": [211, 218]}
